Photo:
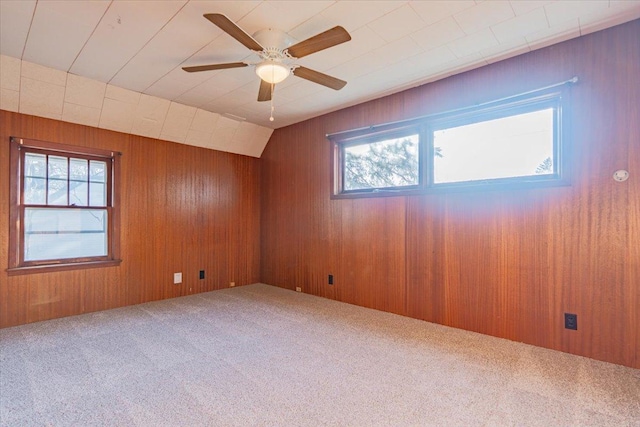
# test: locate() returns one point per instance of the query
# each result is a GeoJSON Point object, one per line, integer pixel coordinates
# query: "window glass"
{"type": "Point", "coordinates": [97, 185]}
{"type": "Point", "coordinates": [387, 163]}
{"type": "Point", "coordinates": [35, 179]}
{"type": "Point", "coordinates": [51, 234]}
{"type": "Point", "coordinates": [78, 182]}
{"type": "Point", "coordinates": [507, 147]}
{"type": "Point", "coordinates": [57, 181]}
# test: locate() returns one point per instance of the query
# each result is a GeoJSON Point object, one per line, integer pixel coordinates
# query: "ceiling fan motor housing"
{"type": "Point", "coordinates": [274, 38]}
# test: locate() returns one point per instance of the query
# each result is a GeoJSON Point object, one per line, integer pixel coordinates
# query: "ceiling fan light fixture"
{"type": "Point", "coordinates": [272, 72]}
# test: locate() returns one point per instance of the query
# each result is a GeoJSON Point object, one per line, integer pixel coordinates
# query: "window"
{"type": "Point", "coordinates": [512, 143]}
{"type": "Point", "coordinates": [63, 212]}
{"type": "Point", "coordinates": [387, 160]}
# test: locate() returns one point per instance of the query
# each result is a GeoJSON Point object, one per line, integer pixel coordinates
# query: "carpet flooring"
{"type": "Point", "coordinates": [263, 356]}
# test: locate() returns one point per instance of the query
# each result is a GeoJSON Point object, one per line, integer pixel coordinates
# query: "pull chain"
{"type": "Point", "coordinates": [272, 108]}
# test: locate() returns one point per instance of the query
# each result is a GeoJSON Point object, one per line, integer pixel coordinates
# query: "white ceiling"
{"type": "Point", "coordinates": [142, 45]}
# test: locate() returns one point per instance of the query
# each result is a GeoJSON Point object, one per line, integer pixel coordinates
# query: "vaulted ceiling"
{"type": "Point", "coordinates": [143, 45]}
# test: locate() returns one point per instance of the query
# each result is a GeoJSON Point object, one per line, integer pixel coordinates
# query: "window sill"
{"type": "Point", "coordinates": [16, 271]}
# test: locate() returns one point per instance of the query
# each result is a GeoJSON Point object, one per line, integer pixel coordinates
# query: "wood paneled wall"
{"type": "Point", "coordinates": [504, 263]}
{"type": "Point", "coordinates": [183, 208]}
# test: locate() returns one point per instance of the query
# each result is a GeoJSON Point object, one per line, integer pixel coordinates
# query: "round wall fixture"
{"type": "Point", "coordinates": [621, 175]}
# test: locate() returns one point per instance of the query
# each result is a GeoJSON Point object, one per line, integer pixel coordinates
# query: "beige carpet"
{"type": "Point", "coordinates": [263, 356]}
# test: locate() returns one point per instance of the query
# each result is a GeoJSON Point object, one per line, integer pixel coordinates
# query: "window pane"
{"type": "Point", "coordinates": [78, 182]}
{"type": "Point", "coordinates": [64, 233]}
{"type": "Point", "coordinates": [35, 165]}
{"type": "Point", "coordinates": [78, 193]}
{"type": "Point", "coordinates": [97, 195]}
{"type": "Point", "coordinates": [98, 169]}
{"type": "Point", "coordinates": [515, 146]}
{"type": "Point", "coordinates": [97, 186]}
{"type": "Point", "coordinates": [382, 164]}
{"type": "Point", "coordinates": [34, 191]}
{"type": "Point", "coordinates": [57, 180]}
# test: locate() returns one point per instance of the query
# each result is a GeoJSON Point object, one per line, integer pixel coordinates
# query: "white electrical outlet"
{"type": "Point", "coordinates": [232, 284]}
{"type": "Point", "coordinates": [298, 289]}
{"type": "Point", "coordinates": [177, 278]}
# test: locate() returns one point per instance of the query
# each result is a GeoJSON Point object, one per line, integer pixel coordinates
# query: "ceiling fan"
{"type": "Point", "coordinates": [278, 54]}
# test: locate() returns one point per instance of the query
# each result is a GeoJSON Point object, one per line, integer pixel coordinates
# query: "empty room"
{"type": "Point", "coordinates": [319, 213]}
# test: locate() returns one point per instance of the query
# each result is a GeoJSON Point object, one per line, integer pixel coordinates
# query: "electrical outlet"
{"type": "Point", "coordinates": [177, 278]}
{"type": "Point", "coordinates": [571, 321]}
{"type": "Point", "coordinates": [232, 284]}
{"type": "Point", "coordinates": [298, 289]}
{"type": "Point", "coordinates": [201, 274]}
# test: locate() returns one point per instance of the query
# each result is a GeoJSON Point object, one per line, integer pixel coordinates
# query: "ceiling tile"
{"type": "Point", "coordinates": [520, 26]}
{"type": "Point", "coordinates": [9, 100]}
{"type": "Point", "coordinates": [300, 88]}
{"type": "Point", "coordinates": [149, 116]}
{"type": "Point", "coordinates": [60, 29]}
{"type": "Point", "coordinates": [433, 60]}
{"type": "Point", "coordinates": [41, 98]}
{"type": "Point", "coordinates": [520, 7]}
{"type": "Point", "coordinates": [177, 82]}
{"type": "Point", "coordinates": [221, 83]}
{"type": "Point", "coordinates": [123, 95]}
{"type": "Point", "coordinates": [226, 123]}
{"type": "Point", "coordinates": [558, 12]}
{"type": "Point", "coordinates": [81, 114]}
{"type": "Point", "coordinates": [397, 24]}
{"type": "Point", "coordinates": [309, 28]}
{"type": "Point", "coordinates": [436, 10]}
{"type": "Point", "coordinates": [204, 121]}
{"type": "Point", "coordinates": [198, 138]}
{"type": "Point", "coordinates": [9, 72]}
{"type": "Point", "coordinates": [618, 13]}
{"type": "Point", "coordinates": [394, 75]}
{"type": "Point", "coordinates": [15, 21]}
{"type": "Point", "coordinates": [353, 14]}
{"type": "Point", "coordinates": [178, 121]}
{"type": "Point", "coordinates": [483, 15]}
{"type": "Point", "coordinates": [43, 74]}
{"type": "Point", "coordinates": [513, 47]}
{"type": "Point", "coordinates": [123, 31]}
{"type": "Point", "coordinates": [84, 91]}
{"type": "Point", "coordinates": [282, 15]}
{"type": "Point", "coordinates": [362, 41]}
{"type": "Point", "coordinates": [473, 43]}
{"type": "Point", "coordinates": [117, 115]}
{"type": "Point", "coordinates": [233, 10]}
{"type": "Point", "coordinates": [563, 31]}
{"type": "Point", "coordinates": [241, 96]}
{"type": "Point", "coordinates": [461, 65]}
{"type": "Point", "coordinates": [438, 34]}
{"type": "Point", "coordinates": [397, 51]}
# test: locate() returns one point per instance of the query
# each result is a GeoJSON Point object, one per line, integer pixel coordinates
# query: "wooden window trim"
{"type": "Point", "coordinates": [16, 265]}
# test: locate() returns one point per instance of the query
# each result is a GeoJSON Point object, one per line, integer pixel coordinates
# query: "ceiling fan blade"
{"type": "Point", "coordinates": [329, 38]}
{"type": "Point", "coordinates": [318, 77]}
{"type": "Point", "coordinates": [214, 67]}
{"type": "Point", "coordinates": [264, 94]}
{"type": "Point", "coordinates": [229, 27]}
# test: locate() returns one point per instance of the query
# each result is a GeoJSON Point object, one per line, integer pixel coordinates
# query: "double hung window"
{"type": "Point", "coordinates": [63, 211]}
